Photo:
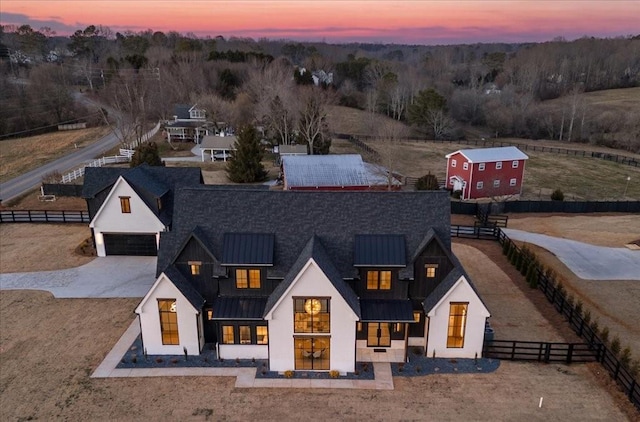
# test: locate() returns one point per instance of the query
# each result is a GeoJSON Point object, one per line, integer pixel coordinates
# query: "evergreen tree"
{"type": "Point", "coordinates": [245, 163]}
{"type": "Point", "coordinates": [427, 182]}
{"type": "Point", "coordinates": [146, 153]}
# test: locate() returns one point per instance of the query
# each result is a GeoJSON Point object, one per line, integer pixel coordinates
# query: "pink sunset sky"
{"type": "Point", "coordinates": [375, 21]}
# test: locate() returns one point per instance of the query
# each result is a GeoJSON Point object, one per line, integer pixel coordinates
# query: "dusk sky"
{"type": "Point", "coordinates": [377, 21]}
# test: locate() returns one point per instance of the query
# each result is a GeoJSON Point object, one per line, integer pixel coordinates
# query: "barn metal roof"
{"type": "Point", "coordinates": [247, 249]}
{"type": "Point", "coordinates": [324, 170]}
{"type": "Point", "coordinates": [386, 310]}
{"type": "Point", "coordinates": [488, 155]}
{"type": "Point", "coordinates": [375, 250]}
{"type": "Point", "coordinates": [239, 307]}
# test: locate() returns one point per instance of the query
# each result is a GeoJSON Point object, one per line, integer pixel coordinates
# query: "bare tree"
{"type": "Point", "coordinates": [390, 135]}
{"type": "Point", "coordinates": [312, 124]}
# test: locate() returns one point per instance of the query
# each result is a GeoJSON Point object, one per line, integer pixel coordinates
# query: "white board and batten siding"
{"type": "Point", "coordinates": [189, 319]}
{"type": "Point", "coordinates": [111, 219]}
{"type": "Point", "coordinates": [477, 315]}
{"type": "Point", "coordinates": [243, 351]}
{"type": "Point", "coordinates": [312, 282]}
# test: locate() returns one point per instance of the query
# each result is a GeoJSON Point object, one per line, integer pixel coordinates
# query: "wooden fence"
{"type": "Point", "coordinates": [26, 216]}
{"type": "Point", "coordinates": [541, 351]}
{"type": "Point", "coordinates": [557, 296]}
{"type": "Point", "coordinates": [477, 231]}
{"type": "Point", "coordinates": [569, 207]}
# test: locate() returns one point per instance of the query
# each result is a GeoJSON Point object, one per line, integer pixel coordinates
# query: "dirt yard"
{"type": "Point", "coordinates": [45, 364]}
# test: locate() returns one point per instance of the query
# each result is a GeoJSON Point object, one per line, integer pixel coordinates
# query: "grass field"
{"type": "Point", "coordinates": [18, 156]}
{"type": "Point", "coordinates": [608, 100]}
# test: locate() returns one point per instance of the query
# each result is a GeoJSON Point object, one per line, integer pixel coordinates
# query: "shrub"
{"type": "Point", "coordinates": [615, 346]}
{"type": "Point", "coordinates": [595, 326]}
{"type": "Point", "coordinates": [146, 153]}
{"type": "Point", "coordinates": [334, 374]}
{"type": "Point", "coordinates": [578, 307]}
{"type": "Point", "coordinates": [634, 368]}
{"type": "Point", "coordinates": [288, 373]}
{"type": "Point", "coordinates": [557, 195]}
{"type": "Point", "coordinates": [625, 356]}
{"type": "Point", "coordinates": [604, 335]}
{"type": "Point", "coordinates": [456, 194]}
{"type": "Point", "coordinates": [427, 182]}
{"type": "Point", "coordinates": [587, 316]}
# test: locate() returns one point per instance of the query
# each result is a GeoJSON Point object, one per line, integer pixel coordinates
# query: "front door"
{"type": "Point", "coordinates": [378, 334]}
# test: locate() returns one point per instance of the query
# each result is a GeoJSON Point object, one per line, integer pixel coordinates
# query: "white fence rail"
{"type": "Point", "coordinates": [123, 157]}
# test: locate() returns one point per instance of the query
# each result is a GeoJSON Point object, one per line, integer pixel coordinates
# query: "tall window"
{"type": "Point", "coordinates": [498, 165]}
{"type": "Point", "coordinates": [195, 267]}
{"type": "Point", "coordinates": [125, 204]}
{"type": "Point", "coordinates": [457, 324]}
{"type": "Point", "coordinates": [430, 270]}
{"type": "Point", "coordinates": [311, 315]}
{"type": "Point", "coordinates": [168, 321]}
{"type": "Point", "coordinates": [453, 163]}
{"type": "Point", "coordinates": [465, 165]}
{"type": "Point", "coordinates": [227, 334]}
{"type": "Point", "coordinates": [247, 279]}
{"type": "Point", "coordinates": [378, 280]}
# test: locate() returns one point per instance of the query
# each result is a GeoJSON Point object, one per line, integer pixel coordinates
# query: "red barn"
{"type": "Point", "coordinates": [486, 172]}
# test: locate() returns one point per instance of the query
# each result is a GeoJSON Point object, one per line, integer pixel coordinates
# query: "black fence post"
{"type": "Point", "coordinates": [570, 353]}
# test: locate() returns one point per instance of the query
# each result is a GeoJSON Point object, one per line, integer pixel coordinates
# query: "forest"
{"type": "Point", "coordinates": [534, 90]}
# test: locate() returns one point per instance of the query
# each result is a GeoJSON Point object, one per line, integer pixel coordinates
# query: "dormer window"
{"type": "Point", "coordinates": [378, 280]}
{"type": "Point", "coordinates": [197, 114]}
{"type": "Point", "coordinates": [430, 270]}
{"type": "Point", "coordinates": [247, 278]}
{"type": "Point", "coordinates": [194, 266]}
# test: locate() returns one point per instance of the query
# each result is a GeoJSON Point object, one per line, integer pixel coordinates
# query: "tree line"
{"type": "Point", "coordinates": [524, 90]}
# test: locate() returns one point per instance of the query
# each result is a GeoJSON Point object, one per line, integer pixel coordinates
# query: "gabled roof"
{"type": "Point", "coordinates": [293, 216]}
{"type": "Point", "coordinates": [379, 250]}
{"type": "Point", "coordinates": [488, 155]}
{"type": "Point", "coordinates": [97, 179]}
{"type": "Point", "coordinates": [174, 276]}
{"type": "Point", "coordinates": [314, 250]}
{"type": "Point", "coordinates": [181, 111]}
{"type": "Point", "coordinates": [247, 249]}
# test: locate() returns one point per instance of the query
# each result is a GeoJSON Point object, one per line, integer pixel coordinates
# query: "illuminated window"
{"type": "Point", "coordinates": [209, 314]}
{"type": "Point", "coordinates": [457, 324]}
{"type": "Point", "coordinates": [168, 321]}
{"type": "Point", "coordinates": [245, 334]}
{"type": "Point", "coordinates": [262, 334]}
{"type": "Point", "coordinates": [398, 327]}
{"type": "Point", "coordinates": [195, 267]}
{"type": "Point", "coordinates": [378, 280]}
{"type": "Point", "coordinates": [417, 315]}
{"type": "Point", "coordinates": [359, 327]}
{"type": "Point", "coordinates": [430, 270]}
{"type": "Point", "coordinates": [481, 167]}
{"type": "Point", "coordinates": [378, 334]}
{"type": "Point", "coordinates": [247, 279]}
{"type": "Point", "coordinates": [311, 315]}
{"type": "Point", "coordinates": [125, 204]}
{"type": "Point", "coordinates": [498, 165]}
{"type": "Point", "coordinates": [227, 334]}
{"type": "Point", "coordinates": [159, 203]}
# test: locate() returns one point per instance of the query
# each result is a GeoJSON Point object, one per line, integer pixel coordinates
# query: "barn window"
{"type": "Point", "coordinates": [514, 164]}
{"type": "Point", "coordinates": [479, 185]}
{"type": "Point", "coordinates": [496, 183]}
{"type": "Point", "coordinates": [125, 204]}
{"type": "Point", "coordinates": [481, 167]}
{"type": "Point", "coordinates": [498, 165]}
{"type": "Point", "coordinates": [513, 182]}
{"type": "Point", "coordinates": [465, 166]}
{"type": "Point", "coordinates": [454, 163]}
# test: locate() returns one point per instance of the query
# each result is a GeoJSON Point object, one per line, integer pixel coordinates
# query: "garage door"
{"type": "Point", "coordinates": [130, 244]}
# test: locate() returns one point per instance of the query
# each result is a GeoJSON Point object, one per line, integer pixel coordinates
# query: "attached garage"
{"type": "Point", "coordinates": [130, 244]}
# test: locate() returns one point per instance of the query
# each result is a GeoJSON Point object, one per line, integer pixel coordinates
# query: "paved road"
{"type": "Point", "coordinates": [587, 261]}
{"type": "Point", "coordinates": [111, 276]}
{"type": "Point", "coordinates": [26, 182]}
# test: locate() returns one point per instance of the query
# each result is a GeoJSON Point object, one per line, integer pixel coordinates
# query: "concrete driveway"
{"type": "Point", "coordinates": [587, 261]}
{"type": "Point", "coordinates": [111, 276]}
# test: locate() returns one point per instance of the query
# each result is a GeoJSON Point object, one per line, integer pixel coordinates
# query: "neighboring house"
{"type": "Point", "coordinates": [284, 150]}
{"type": "Point", "coordinates": [129, 207]}
{"type": "Point", "coordinates": [486, 172]}
{"type": "Point", "coordinates": [189, 124]}
{"type": "Point", "coordinates": [218, 147]}
{"type": "Point", "coordinates": [311, 280]}
{"type": "Point", "coordinates": [333, 172]}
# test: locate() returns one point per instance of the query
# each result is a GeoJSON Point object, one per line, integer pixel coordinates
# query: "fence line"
{"type": "Point", "coordinates": [28, 216]}
{"type": "Point", "coordinates": [541, 351]}
{"type": "Point", "coordinates": [571, 207]}
{"type": "Point", "coordinates": [556, 295]}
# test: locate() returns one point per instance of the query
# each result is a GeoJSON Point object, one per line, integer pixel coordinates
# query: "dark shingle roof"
{"type": "Point", "coordinates": [247, 249]}
{"type": "Point", "coordinates": [97, 179]}
{"type": "Point", "coordinates": [386, 310]}
{"type": "Point", "coordinates": [182, 111]}
{"type": "Point", "coordinates": [187, 290]}
{"type": "Point", "coordinates": [374, 250]}
{"type": "Point", "coordinates": [334, 217]}
{"type": "Point", "coordinates": [239, 307]}
{"type": "Point", "coordinates": [314, 250]}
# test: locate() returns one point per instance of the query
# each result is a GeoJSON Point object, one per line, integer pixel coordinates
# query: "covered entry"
{"type": "Point", "coordinates": [131, 244]}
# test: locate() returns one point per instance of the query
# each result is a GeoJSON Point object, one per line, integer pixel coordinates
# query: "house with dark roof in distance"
{"type": "Point", "coordinates": [311, 280]}
{"type": "Point", "coordinates": [189, 124]}
{"type": "Point", "coordinates": [486, 172]}
{"type": "Point", "coordinates": [129, 207]}
{"type": "Point", "coordinates": [334, 172]}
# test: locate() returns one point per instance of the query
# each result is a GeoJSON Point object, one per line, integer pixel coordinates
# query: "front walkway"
{"type": "Point", "coordinates": [245, 377]}
{"type": "Point", "coordinates": [587, 261]}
